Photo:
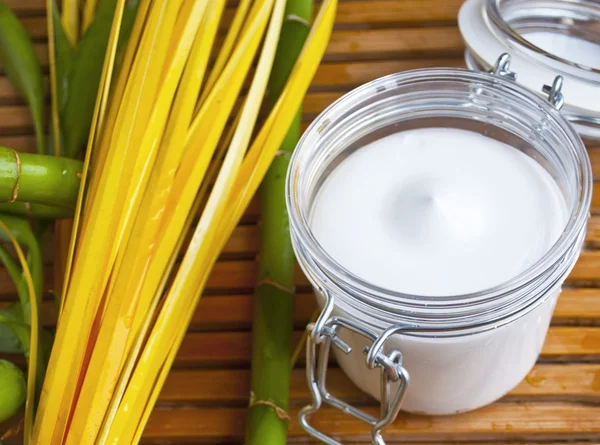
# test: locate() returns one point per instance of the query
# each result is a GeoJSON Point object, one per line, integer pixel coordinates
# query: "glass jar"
{"type": "Point", "coordinates": [459, 352]}
{"type": "Point", "coordinates": [545, 38]}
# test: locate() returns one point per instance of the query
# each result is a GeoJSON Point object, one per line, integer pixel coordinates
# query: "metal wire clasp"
{"type": "Point", "coordinates": [554, 91]}
{"type": "Point", "coordinates": [323, 333]}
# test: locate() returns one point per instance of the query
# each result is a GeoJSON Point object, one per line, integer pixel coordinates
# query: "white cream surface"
{"type": "Point", "coordinates": [441, 211]}
{"type": "Point", "coordinates": [438, 211]}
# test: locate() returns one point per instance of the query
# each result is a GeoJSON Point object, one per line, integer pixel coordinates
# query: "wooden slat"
{"type": "Point", "coordinates": [594, 154]}
{"type": "Point", "coordinates": [234, 312]}
{"type": "Point", "coordinates": [365, 12]}
{"type": "Point", "coordinates": [225, 349]}
{"type": "Point", "coordinates": [342, 76]}
{"type": "Point", "coordinates": [232, 386]}
{"type": "Point", "coordinates": [557, 402]}
{"type": "Point", "coordinates": [586, 268]}
{"type": "Point", "coordinates": [244, 241]}
{"type": "Point", "coordinates": [29, 6]}
{"type": "Point", "coordinates": [373, 44]}
{"type": "Point", "coordinates": [15, 118]}
{"type": "Point", "coordinates": [574, 304]}
{"type": "Point", "coordinates": [330, 76]}
{"type": "Point", "coordinates": [241, 275]}
{"type": "Point", "coordinates": [21, 143]}
{"type": "Point", "coordinates": [397, 12]}
{"type": "Point", "coordinates": [495, 422]}
{"type": "Point", "coordinates": [378, 43]}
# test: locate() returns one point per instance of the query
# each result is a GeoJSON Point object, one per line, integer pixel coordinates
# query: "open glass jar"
{"type": "Point", "coordinates": [544, 38]}
{"type": "Point", "coordinates": [459, 352]}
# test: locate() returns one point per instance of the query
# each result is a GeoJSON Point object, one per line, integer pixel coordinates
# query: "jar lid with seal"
{"type": "Point", "coordinates": [544, 38]}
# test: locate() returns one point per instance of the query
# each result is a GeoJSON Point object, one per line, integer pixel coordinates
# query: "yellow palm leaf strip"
{"type": "Point", "coordinates": [101, 378]}
{"type": "Point", "coordinates": [131, 122]}
{"type": "Point", "coordinates": [240, 135]}
{"type": "Point", "coordinates": [96, 127]}
{"type": "Point", "coordinates": [206, 131]}
{"type": "Point", "coordinates": [89, 274]}
{"type": "Point", "coordinates": [266, 144]}
{"type": "Point", "coordinates": [107, 126]}
{"type": "Point", "coordinates": [141, 83]}
{"type": "Point", "coordinates": [219, 157]}
{"type": "Point", "coordinates": [33, 339]}
{"type": "Point", "coordinates": [226, 48]}
{"type": "Point", "coordinates": [47, 406]}
{"type": "Point", "coordinates": [184, 12]}
{"type": "Point", "coordinates": [139, 340]}
{"type": "Point", "coordinates": [147, 101]}
{"type": "Point", "coordinates": [215, 208]}
{"type": "Point", "coordinates": [89, 12]}
{"type": "Point", "coordinates": [209, 125]}
{"type": "Point", "coordinates": [169, 156]}
{"type": "Point", "coordinates": [195, 70]}
{"type": "Point", "coordinates": [196, 266]}
{"type": "Point", "coordinates": [70, 19]}
{"type": "Point", "coordinates": [217, 101]}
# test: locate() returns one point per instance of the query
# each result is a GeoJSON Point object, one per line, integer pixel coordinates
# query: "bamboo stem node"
{"type": "Point", "coordinates": [283, 153]}
{"type": "Point", "coordinates": [269, 282]}
{"type": "Point", "coordinates": [297, 18]}
{"type": "Point", "coordinates": [281, 413]}
{"type": "Point", "coordinates": [15, 192]}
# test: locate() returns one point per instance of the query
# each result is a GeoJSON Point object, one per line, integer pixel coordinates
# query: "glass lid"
{"type": "Point", "coordinates": [545, 38]}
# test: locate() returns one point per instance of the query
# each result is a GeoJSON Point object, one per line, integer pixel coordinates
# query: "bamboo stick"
{"type": "Point", "coordinates": [273, 310]}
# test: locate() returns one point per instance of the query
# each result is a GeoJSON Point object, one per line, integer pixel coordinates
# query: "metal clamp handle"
{"type": "Point", "coordinates": [554, 91]}
{"type": "Point", "coordinates": [324, 332]}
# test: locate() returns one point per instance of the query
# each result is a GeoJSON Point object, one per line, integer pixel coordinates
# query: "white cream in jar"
{"type": "Point", "coordinates": [436, 212]}
{"type": "Point", "coordinates": [445, 206]}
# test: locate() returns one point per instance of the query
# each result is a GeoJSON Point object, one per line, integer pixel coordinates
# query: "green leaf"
{"type": "Point", "coordinates": [64, 59]}
{"type": "Point", "coordinates": [129, 13]}
{"type": "Point", "coordinates": [14, 332]}
{"type": "Point", "coordinates": [22, 231]}
{"type": "Point", "coordinates": [85, 79]}
{"type": "Point", "coordinates": [15, 337]}
{"type": "Point", "coordinates": [9, 341]}
{"type": "Point", "coordinates": [22, 67]}
{"type": "Point", "coordinates": [16, 275]}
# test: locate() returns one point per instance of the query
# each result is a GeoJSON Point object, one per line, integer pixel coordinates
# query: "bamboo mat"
{"type": "Point", "coordinates": [205, 396]}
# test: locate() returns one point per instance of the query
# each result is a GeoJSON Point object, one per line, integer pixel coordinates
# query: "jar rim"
{"type": "Point", "coordinates": [299, 219]}
{"type": "Point", "coordinates": [494, 13]}
{"type": "Point", "coordinates": [486, 39]}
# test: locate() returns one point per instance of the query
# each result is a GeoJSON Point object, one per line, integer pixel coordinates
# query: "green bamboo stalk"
{"type": "Point", "coordinates": [267, 422]}
{"type": "Point", "coordinates": [38, 211]}
{"type": "Point", "coordinates": [39, 179]}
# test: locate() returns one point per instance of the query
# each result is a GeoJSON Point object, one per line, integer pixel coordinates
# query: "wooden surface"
{"type": "Point", "coordinates": [205, 397]}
